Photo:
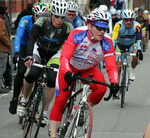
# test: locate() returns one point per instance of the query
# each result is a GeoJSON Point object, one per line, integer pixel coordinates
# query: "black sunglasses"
{"type": "Point", "coordinates": [100, 28]}
{"type": "Point", "coordinates": [62, 17]}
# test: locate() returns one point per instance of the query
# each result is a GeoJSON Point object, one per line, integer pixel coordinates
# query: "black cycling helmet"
{"type": "Point", "coordinates": [140, 9]}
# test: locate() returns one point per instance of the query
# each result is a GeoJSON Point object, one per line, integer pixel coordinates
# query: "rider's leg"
{"type": "Point", "coordinates": [49, 95]}
{"type": "Point", "coordinates": [134, 59]}
{"type": "Point", "coordinates": [144, 40]}
{"type": "Point", "coordinates": [118, 64]}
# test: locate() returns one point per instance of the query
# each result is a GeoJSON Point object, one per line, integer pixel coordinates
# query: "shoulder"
{"type": "Point", "coordinates": [79, 34]}
{"type": "Point", "coordinates": [106, 43]}
{"type": "Point", "coordinates": [39, 22]}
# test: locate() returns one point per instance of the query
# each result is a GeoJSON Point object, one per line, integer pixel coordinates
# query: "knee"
{"type": "Point", "coordinates": [51, 76]}
{"type": "Point", "coordinates": [33, 74]}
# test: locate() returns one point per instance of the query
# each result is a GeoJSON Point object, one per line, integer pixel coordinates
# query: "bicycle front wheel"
{"type": "Point", "coordinates": [36, 116]}
{"type": "Point", "coordinates": [123, 86]}
{"type": "Point", "coordinates": [82, 126]}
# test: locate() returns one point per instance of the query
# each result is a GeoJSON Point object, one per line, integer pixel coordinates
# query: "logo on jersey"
{"type": "Point", "coordinates": [23, 23]}
{"type": "Point", "coordinates": [106, 45]}
{"type": "Point", "coordinates": [79, 23]}
{"type": "Point", "coordinates": [83, 48]}
{"type": "Point", "coordinates": [79, 37]}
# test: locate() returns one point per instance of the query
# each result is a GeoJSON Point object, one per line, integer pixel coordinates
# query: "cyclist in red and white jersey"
{"type": "Point", "coordinates": [82, 51]}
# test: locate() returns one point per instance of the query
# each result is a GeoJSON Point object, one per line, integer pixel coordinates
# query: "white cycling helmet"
{"type": "Point", "coordinates": [146, 12]}
{"type": "Point", "coordinates": [103, 8]}
{"type": "Point", "coordinates": [59, 7]}
{"type": "Point", "coordinates": [113, 11]}
{"type": "Point", "coordinates": [72, 6]}
{"type": "Point", "coordinates": [98, 18]}
{"type": "Point", "coordinates": [128, 13]}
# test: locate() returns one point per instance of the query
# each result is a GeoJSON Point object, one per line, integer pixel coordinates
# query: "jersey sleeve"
{"type": "Point", "coordinates": [111, 67]}
{"type": "Point", "coordinates": [67, 52]}
{"type": "Point", "coordinates": [138, 36]}
{"type": "Point", "coordinates": [19, 35]}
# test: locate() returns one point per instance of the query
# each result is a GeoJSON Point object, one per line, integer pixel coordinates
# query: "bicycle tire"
{"type": "Point", "coordinates": [65, 115]}
{"type": "Point", "coordinates": [26, 122]}
{"type": "Point", "coordinates": [82, 126]}
{"type": "Point", "coordinates": [123, 86]}
{"type": "Point", "coordinates": [37, 116]}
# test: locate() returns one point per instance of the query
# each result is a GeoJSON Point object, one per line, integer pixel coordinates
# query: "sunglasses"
{"type": "Point", "coordinates": [128, 20]}
{"type": "Point", "coordinates": [100, 28]}
{"type": "Point", "coordinates": [62, 17]}
{"type": "Point", "coordinates": [36, 15]}
{"type": "Point", "coordinates": [113, 15]}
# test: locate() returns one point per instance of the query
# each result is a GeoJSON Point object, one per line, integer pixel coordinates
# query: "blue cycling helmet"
{"type": "Point", "coordinates": [128, 13]}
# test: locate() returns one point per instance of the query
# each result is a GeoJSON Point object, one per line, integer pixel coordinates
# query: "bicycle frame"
{"type": "Point", "coordinates": [125, 82]}
{"type": "Point", "coordinates": [82, 103]}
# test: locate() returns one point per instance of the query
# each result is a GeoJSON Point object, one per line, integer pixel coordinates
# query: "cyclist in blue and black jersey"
{"type": "Point", "coordinates": [46, 39]}
{"type": "Point", "coordinates": [72, 10]}
{"type": "Point", "coordinates": [20, 47]}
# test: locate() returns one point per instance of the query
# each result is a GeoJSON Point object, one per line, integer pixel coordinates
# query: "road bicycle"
{"type": "Point", "coordinates": [35, 105]}
{"type": "Point", "coordinates": [79, 124]}
{"type": "Point", "coordinates": [124, 79]}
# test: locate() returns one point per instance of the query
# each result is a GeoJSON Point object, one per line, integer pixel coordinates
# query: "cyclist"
{"type": "Point", "coordinates": [45, 41]}
{"type": "Point", "coordinates": [142, 19]}
{"type": "Point", "coordinates": [20, 47]}
{"type": "Point", "coordinates": [72, 10]}
{"type": "Point", "coordinates": [105, 9]}
{"type": "Point", "coordinates": [83, 49]}
{"type": "Point", "coordinates": [127, 35]}
{"type": "Point", "coordinates": [114, 17]}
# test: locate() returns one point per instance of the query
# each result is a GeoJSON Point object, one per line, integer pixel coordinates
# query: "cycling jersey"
{"type": "Point", "coordinates": [49, 39]}
{"type": "Point", "coordinates": [23, 31]}
{"type": "Point", "coordinates": [127, 37]}
{"type": "Point", "coordinates": [86, 56]}
{"type": "Point", "coordinates": [77, 22]}
{"type": "Point", "coordinates": [81, 54]}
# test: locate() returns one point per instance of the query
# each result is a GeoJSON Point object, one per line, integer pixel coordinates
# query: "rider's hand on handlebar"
{"type": "Point", "coordinates": [69, 77]}
{"type": "Point", "coordinates": [114, 88]}
{"type": "Point", "coordinates": [28, 61]}
{"type": "Point", "coordinates": [16, 58]}
{"type": "Point", "coordinates": [139, 54]}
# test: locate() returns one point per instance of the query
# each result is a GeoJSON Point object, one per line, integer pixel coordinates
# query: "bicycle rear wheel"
{"type": "Point", "coordinates": [82, 125]}
{"type": "Point", "coordinates": [123, 86]}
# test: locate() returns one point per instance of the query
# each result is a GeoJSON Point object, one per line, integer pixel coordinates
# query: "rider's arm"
{"type": "Point", "coordinates": [35, 31]}
{"type": "Point", "coordinates": [115, 34]}
{"type": "Point", "coordinates": [19, 35]}
{"type": "Point", "coordinates": [109, 58]}
{"type": "Point", "coordinates": [138, 36]}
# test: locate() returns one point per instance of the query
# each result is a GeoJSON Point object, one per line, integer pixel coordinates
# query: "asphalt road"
{"type": "Point", "coordinates": [109, 119]}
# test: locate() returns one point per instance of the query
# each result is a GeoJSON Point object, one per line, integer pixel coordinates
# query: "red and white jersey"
{"type": "Point", "coordinates": [83, 52]}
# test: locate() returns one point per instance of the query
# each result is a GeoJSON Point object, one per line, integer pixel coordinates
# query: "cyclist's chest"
{"type": "Point", "coordinates": [127, 33]}
{"type": "Point", "coordinates": [89, 51]}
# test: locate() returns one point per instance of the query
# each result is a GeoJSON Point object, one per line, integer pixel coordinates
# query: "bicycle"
{"type": "Point", "coordinates": [35, 105]}
{"type": "Point", "coordinates": [125, 81]}
{"type": "Point", "coordinates": [79, 124]}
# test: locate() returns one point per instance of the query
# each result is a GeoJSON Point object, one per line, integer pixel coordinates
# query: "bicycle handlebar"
{"type": "Point", "coordinates": [126, 53]}
{"type": "Point", "coordinates": [39, 66]}
{"type": "Point", "coordinates": [90, 80]}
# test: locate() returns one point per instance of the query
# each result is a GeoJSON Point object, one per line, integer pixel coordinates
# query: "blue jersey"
{"type": "Point", "coordinates": [23, 31]}
{"type": "Point", "coordinates": [77, 22]}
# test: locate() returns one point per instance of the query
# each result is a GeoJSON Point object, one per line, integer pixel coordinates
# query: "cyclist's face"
{"type": "Point", "coordinates": [98, 32]}
{"type": "Point", "coordinates": [57, 21]}
{"type": "Point", "coordinates": [72, 16]}
{"type": "Point", "coordinates": [128, 22]}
